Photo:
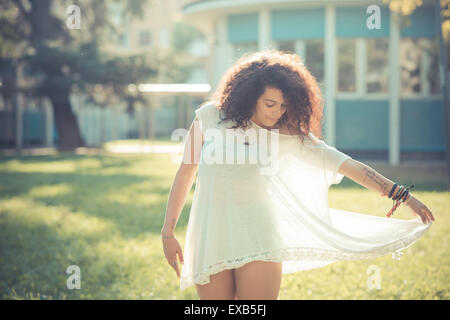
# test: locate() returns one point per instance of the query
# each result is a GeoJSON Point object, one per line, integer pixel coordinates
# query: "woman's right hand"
{"type": "Point", "coordinates": [172, 248]}
{"type": "Point", "coordinates": [420, 209]}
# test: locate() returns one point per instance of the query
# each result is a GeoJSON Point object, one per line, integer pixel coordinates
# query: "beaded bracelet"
{"type": "Point", "coordinates": [392, 190]}
{"type": "Point", "coordinates": [400, 197]}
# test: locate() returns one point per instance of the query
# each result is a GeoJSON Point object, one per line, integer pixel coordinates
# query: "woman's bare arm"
{"type": "Point", "coordinates": [184, 178]}
{"type": "Point", "coordinates": [372, 180]}
{"type": "Point", "coordinates": [366, 176]}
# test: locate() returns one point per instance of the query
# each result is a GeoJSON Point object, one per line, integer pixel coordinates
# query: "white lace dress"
{"type": "Point", "coordinates": [276, 209]}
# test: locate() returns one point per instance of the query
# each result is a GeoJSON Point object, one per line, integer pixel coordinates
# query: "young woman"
{"type": "Point", "coordinates": [252, 221]}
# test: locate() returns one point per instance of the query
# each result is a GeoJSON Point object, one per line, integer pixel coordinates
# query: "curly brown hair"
{"type": "Point", "coordinates": [245, 81]}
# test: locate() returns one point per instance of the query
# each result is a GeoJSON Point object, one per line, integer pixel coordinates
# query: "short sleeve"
{"type": "Point", "coordinates": [333, 159]}
{"type": "Point", "coordinates": [207, 115]}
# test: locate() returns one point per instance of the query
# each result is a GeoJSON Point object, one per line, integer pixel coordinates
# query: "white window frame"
{"type": "Point", "coordinates": [361, 84]}
{"type": "Point", "coordinates": [361, 60]}
{"type": "Point", "coordinates": [164, 41]}
{"type": "Point", "coordinates": [300, 49]}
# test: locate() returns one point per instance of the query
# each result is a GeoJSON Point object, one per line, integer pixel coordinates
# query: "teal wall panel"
{"type": "Point", "coordinates": [362, 125]}
{"type": "Point", "coordinates": [33, 129]}
{"type": "Point", "coordinates": [242, 28]}
{"type": "Point", "coordinates": [352, 22]}
{"type": "Point", "coordinates": [422, 125]}
{"type": "Point", "coordinates": [422, 23]}
{"type": "Point", "coordinates": [298, 23]}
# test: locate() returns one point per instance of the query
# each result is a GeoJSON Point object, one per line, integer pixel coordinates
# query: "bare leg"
{"type": "Point", "coordinates": [220, 287]}
{"type": "Point", "coordinates": [258, 280]}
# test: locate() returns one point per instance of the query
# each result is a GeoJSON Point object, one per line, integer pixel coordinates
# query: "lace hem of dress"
{"type": "Point", "coordinates": [298, 254]}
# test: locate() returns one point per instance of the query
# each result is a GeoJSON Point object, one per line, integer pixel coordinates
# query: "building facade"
{"type": "Point", "coordinates": [378, 71]}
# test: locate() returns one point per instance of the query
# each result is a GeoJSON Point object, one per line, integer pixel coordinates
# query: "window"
{"type": "Point", "coordinates": [287, 46]}
{"type": "Point", "coordinates": [346, 71]}
{"type": "Point", "coordinates": [419, 66]}
{"type": "Point", "coordinates": [433, 67]}
{"type": "Point", "coordinates": [410, 66]}
{"type": "Point", "coordinates": [239, 49]}
{"type": "Point", "coordinates": [377, 76]}
{"type": "Point", "coordinates": [311, 51]}
{"type": "Point", "coordinates": [144, 38]}
{"type": "Point", "coordinates": [363, 66]}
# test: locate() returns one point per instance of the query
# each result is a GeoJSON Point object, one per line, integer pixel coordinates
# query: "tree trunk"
{"type": "Point", "coordinates": [66, 122]}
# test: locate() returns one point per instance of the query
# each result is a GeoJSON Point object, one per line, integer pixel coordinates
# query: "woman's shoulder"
{"type": "Point", "coordinates": [208, 107]}
{"type": "Point", "coordinates": [316, 143]}
{"type": "Point", "coordinates": [208, 113]}
{"type": "Point", "coordinates": [311, 140]}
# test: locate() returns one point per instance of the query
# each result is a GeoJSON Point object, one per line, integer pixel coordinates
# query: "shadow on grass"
{"type": "Point", "coordinates": [35, 259]}
{"type": "Point", "coordinates": [134, 203]}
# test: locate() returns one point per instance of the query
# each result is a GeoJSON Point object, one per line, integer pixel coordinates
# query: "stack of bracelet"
{"type": "Point", "coordinates": [401, 196]}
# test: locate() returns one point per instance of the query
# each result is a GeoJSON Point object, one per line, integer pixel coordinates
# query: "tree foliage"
{"type": "Point", "coordinates": [62, 60]}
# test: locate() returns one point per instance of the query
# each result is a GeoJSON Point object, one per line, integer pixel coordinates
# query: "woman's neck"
{"type": "Point", "coordinates": [276, 126]}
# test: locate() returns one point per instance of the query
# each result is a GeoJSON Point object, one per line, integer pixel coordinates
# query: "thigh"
{"type": "Point", "coordinates": [220, 287]}
{"type": "Point", "coordinates": [258, 280]}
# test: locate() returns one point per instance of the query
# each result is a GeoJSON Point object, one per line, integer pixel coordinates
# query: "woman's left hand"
{"type": "Point", "coordinates": [420, 209]}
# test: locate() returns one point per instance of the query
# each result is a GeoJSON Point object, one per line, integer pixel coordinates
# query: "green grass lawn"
{"type": "Point", "coordinates": [104, 214]}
